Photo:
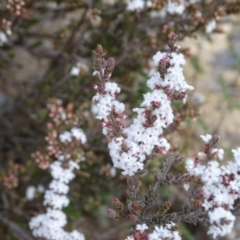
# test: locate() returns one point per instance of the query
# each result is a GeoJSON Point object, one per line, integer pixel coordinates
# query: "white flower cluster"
{"type": "Point", "coordinates": [143, 136]}
{"type": "Point", "coordinates": [138, 4]}
{"type": "Point", "coordinates": [3, 38]}
{"type": "Point", "coordinates": [166, 232]}
{"type": "Point", "coordinates": [221, 186]}
{"type": "Point", "coordinates": [172, 7]}
{"type": "Point", "coordinates": [50, 225]}
{"type": "Point", "coordinates": [31, 191]}
{"type": "Point", "coordinates": [5, 31]}
{"type": "Point", "coordinates": [105, 103]}
{"type": "Point", "coordinates": [210, 26]}
{"type": "Point", "coordinates": [176, 7]}
{"type": "Point", "coordinates": [160, 233]}
{"type": "Point", "coordinates": [68, 136]}
{"type": "Point", "coordinates": [77, 68]}
{"type": "Point", "coordinates": [174, 78]}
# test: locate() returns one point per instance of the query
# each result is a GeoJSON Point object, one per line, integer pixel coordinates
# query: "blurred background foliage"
{"type": "Point", "coordinates": [48, 39]}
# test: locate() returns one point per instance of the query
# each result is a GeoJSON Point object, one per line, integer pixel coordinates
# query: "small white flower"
{"type": "Point", "coordinates": [75, 71]}
{"type": "Point", "coordinates": [236, 153]}
{"type": "Point", "coordinates": [3, 38]}
{"type": "Point", "coordinates": [164, 232]}
{"type": "Point", "coordinates": [63, 116]}
{"type": "Point", "coordinates": [96, 72]}
{"type": "Point", "coordinates": [206, 138]}
{"type": "Point", "coordinates": [141, 139]}
{"type": "Point", "coordinates": [142, 227]}
{"type": "Point", "coordinates": [80, 66]}
{"type": "Point", "coordinates": [40, 188]}
{"type": "Point", "coordinates": [175, 7]}
{"type": "Point", "coordinates": [137, 4]}
{"type": "Point", "coordinates": [55, 200]}
{"type": "Point", "coordinates": [78, 134]}
{"type": "Point", "coordinates": [65, 137]}
{"type": "Point", "coordinates": [219, 151]}
{"type": "Point", "coordinates": [210, 26]}
{"type": "Point", "coordinates": [186, 186]}
{"type": "Point", "coordinates": [189, 164]}
{"type": "Point", "coordinates": [59, 187]}
{"type": "Point", "coordinates": [30, 192]}
{"type": "Point", "coordinates": [50, 225]}
{"type": "Point", "coordinates": [222, 221]}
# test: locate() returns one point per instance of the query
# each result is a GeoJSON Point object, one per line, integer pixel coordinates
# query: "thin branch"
{"type": "Point", "coordinates": [193, 217]}
{"type": "Point", "coordinates": [158, 182]}
{"type": "Point", "coordinates": [161, 180]}
{"type": "Point", "coordinates": [17, 231]}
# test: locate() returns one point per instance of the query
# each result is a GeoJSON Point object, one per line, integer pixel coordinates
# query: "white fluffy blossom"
{"type": "Point", "coordinates": [67, 136]}
{"type": "Point", "coordinates": [55, 200]}
{"type": "Point", "coordinates": [206, 138]}
{"type": "Point", "coordinates": [30, 192]}
{"type": "Point", "coordinates": [219, 152]}
{"type": "Point", "coordinates": [174, 7]}
{"type": "Point", "coordinates": [159, 233]}
{"type": "Point", "coordinates": [164, 232]}
{"type": "Point", "coordinates": [210, 26]}
{"type": "Point", "coordinates": [79, 66]}
{"type": "Point", "coordinates": [221, 221]}
{"type": "Point", "coordinates": [236, 154]}
{"type": "Point", "coordinates": [50, 225]}
{"type": "Point", "coordinates": [75, 70]}
{"type": "Point", "coordinates": [79, 134]}
{"type": "Point", "coordinates": [174, 77]}
{"type": "Point", "coordinates": [142, 227]}
{"type": "Point", "coordinates": [104, 104]}
{"type": "Point", "coordinates": [193, 1]}
{"type": "Point", "coordinates": [142, 140]}
{"type": "Point", "coordinates": [3, 38]}
{"type": "Point", "coordinates": [220, 189]}
{"type": "Point", "coordinates": [144, 135]}
{"type": "Point", "coordinates": [60, 173]}
{"type": "Point", "coordinates": [59, 187]}
{"type": "Point", "coordinates": [137, 4]}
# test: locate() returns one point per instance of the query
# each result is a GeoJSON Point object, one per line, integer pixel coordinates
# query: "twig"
{"type": "Point", "coordinates": [158, 182]}
{"type": "Point", "coordinates": [162, 176]}
{"type": "Point", "coordinates": [17, 231]}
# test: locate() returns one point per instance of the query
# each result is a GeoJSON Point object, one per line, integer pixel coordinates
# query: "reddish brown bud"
{"type": "Point", "coordinates": [163, 65]}
{"type": "Point", "coordinates": [116, 201]}
{"type": "Point", "coordinates": [133, 217]}
{"type": "Point", "coordinates": [99, 51]}
{"type": "Point", "coordinates": [110, 64]}
{"type": "Point", "coordinates": [111, 213]}
{"type": "Point", "coordinates": [172, 40]}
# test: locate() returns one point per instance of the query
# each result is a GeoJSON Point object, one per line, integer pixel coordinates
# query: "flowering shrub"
{"type": "Point", "coordinates": [49, 225]}
{"type": "Point", "coordinates": [130, 147]}
{"type": "Point", "coordinates": [217, 186]}
{"type": "Point", "coordinates": [106, 149]}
